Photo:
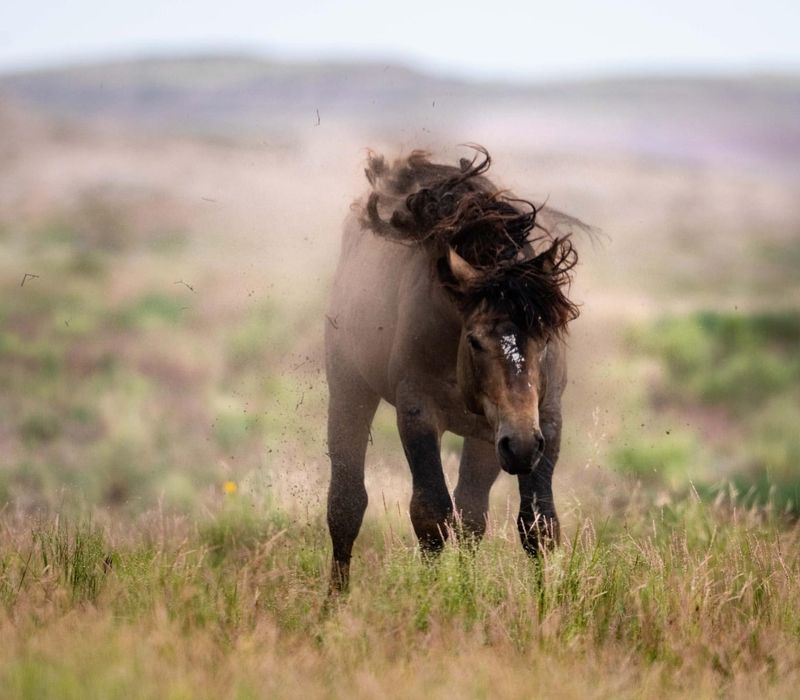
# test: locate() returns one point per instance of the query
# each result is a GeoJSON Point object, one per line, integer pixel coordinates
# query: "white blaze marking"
{"type": "Point", "coordinates": [508, 344]}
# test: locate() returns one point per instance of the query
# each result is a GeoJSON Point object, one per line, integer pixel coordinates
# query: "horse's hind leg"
{"type": "Point", "coordinates": [476, 474]}
{"type": "Point", "coordinates": [351, 409]}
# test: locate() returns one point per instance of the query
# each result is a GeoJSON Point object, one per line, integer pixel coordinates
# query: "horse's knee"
{"type": "Point", "coordinates": [430, 517]}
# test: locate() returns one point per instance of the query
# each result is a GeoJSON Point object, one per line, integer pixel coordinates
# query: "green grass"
{"type": "Point", "coordinates": [692, 598]}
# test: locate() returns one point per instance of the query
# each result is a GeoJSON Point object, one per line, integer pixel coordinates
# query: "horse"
{"type": "Point", "coordinates": [450, 302]}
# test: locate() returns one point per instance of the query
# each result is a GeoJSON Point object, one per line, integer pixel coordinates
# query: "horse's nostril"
{"type": "Point", "coordinates": [504, 447]}
{"type": "Point", "coordinates": [520, 453]}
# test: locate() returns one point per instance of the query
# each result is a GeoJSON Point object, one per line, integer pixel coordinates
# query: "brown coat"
{"type": "Point", "coordinates": [414, 323]}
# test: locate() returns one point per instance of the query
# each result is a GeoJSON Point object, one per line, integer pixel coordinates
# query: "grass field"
{"type": "Point", "coordinates": [681, 599]}
{"type": "Point", "coordinates": [162, 408]}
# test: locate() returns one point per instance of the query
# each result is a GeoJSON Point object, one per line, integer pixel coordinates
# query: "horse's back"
{"type": "Point", "coordinates": [364, 303]}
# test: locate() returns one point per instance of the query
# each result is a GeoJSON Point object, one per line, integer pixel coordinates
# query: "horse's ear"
{"type": "Point", "coordinates": [461, 270]}
{"type": "Point", "coordinates": [455, 273]}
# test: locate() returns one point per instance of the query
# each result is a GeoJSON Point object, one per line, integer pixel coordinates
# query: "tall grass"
{"type": "Point", "coordinates": [686, 598]}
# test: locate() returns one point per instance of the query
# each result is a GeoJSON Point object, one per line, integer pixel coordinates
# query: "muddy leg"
{"type": "Point", "coordinates": [476, 474]}
{"type": "Point", "coordinates": [538, 522]}
{"type": "Point", "coordinates": [350, 411]}
{"type": "Point", "coordinates": [431, 506]}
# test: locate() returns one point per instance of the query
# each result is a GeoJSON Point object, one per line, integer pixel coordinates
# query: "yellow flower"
{"type": "Point", "coordinates": [230, 487]}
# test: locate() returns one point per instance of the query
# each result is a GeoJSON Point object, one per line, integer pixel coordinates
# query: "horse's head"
{"type": "Point", "coordinates": [501, 374]}
{"type": "Point", "coordinates": [509, 316]}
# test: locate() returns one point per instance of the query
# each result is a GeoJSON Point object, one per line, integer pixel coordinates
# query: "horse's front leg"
{"type": "Point", "coordinates": [538, 521]}
{"type": "Point", "coordinates": [431, 506]}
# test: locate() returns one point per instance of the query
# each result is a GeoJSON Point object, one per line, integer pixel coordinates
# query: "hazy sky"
{"type": "Point", "coordinates": [516, 40]}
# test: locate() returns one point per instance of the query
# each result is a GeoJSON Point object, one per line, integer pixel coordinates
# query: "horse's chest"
{"type": "Point", "coordinates": [456, 418]}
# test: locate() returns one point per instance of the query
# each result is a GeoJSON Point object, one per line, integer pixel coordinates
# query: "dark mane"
{"type": "Point", "coordinates": [524, 275]}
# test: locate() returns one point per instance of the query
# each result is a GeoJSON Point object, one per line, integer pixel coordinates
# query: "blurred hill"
{"type": "Point", "coordinates": [743, 121]}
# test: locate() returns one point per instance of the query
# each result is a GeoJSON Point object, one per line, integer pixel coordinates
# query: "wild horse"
{"type": "Point", "coordinates": [449, 302]}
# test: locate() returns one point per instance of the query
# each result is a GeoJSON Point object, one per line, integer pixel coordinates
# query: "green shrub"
{"type": "Point", "coordinates": [747, 365]}
{"type": "Point", "coordinates": [732, 360]}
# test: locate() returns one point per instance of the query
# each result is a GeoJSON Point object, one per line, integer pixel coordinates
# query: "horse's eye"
{"type": "Point", "coordinates": [474, 343]}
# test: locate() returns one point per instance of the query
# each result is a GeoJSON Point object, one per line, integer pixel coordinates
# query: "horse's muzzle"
{"type": "Point", "coordinates": [520, 453]}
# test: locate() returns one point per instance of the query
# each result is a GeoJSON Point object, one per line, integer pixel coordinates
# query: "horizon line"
{"type": "Point", "coordinates": [608, 73]}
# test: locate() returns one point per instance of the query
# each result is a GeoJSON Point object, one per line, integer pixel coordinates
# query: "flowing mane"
{"type": "Point", "coordinates": [525, 269]}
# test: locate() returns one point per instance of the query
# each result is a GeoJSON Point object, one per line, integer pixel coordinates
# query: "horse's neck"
{"type": "Point", "coordinates": [434, 326]}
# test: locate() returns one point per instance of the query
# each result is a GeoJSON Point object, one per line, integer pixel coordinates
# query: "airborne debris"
{"type": "Point", "coordinates": [26, 276]}
{"type": "Point", "coordinates": [185, 284]}
{"type": "Point", "coordinates": [300, 364]}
